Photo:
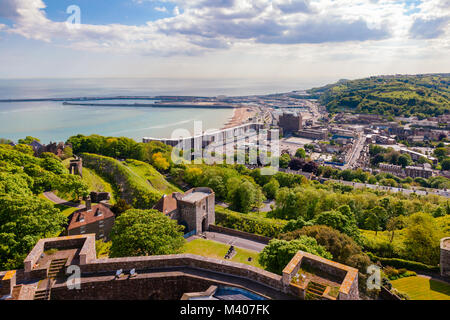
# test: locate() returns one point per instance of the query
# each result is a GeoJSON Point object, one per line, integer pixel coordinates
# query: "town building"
{"type": "Point", "coordinates": [97, 219]}
{"type": "Point", "coordinates": [290, 122]}
{"type": "Point", "coordinates": [391, 168]}
{"type": "Point", "coordinates": [195, 209]}
{"type": "Point", "coordinates": [416, 171]}
{"type": "Point", "coordinates": [315, 134]}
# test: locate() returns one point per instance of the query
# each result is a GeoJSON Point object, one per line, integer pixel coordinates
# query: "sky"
{"type": "Point", "coordinates": [271, 40]}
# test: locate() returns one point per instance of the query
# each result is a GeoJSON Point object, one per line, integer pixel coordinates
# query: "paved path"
{"type": "Point", "coordinates": [235, 241]}
{"type": "Point", "coordinates": [435, 278]}
{"type": "Point", "coordinates": [55, 199]}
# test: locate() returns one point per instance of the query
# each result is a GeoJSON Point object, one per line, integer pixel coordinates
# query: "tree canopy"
{"type": "Point", "coordinates": [145, 232]}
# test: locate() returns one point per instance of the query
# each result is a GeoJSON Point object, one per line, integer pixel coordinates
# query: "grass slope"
{"type": "Point", "coordinates": [94, 181]}
{"type": "Point", "coordinates": [97, 183]}
{"type": "Point", "coordinates": [153, 177]}
{"type": "Point", "coordinates": [212, 249]}
{"type": "Point", "coordinates": [136, 182]}
{"type": "Point", "coordinates": [422, 95]}
{"type": "Point", "coordinates": [421, 288]}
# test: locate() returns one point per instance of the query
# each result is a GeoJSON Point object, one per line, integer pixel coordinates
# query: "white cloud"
{"type": "Point", "coordinates": [288, 30]}
{"type": "Point", "coordinates": [161, 9]}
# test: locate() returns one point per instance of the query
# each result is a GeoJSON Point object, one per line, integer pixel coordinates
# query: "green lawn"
{"type": "Point", "coordinates": [212, 249]}
{"type": "Point", "coordinates": [420, 288]}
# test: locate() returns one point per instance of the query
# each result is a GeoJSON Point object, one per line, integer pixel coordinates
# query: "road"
{"type": "Point", "coordinates": [235, 241]}
{"type": "Point", "coordinates": [55, 199]}
{"type": "Point", "coordinates": [356, 151]}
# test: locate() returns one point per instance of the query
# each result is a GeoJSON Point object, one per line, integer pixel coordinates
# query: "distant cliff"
{"type": "Point", "coordinates": [399, 95]}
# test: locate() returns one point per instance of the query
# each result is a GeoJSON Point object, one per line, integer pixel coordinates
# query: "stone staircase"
{"type": "Point", "coordinates": [15, 293]}
{"type": "Point", "coordinates": [43, 294]}
{"type": "Point", "coordinates": [56, 268]}
{"type": "Point", "coordinates": [315, 290]}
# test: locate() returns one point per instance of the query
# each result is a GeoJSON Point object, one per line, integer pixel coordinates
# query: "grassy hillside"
{"type": "Point", "coordinates": [153, 177]}
{"type": "Point", "coordinates": [136, 182]}
{"type": "Point", "coordinates": [421, 95]}
{"type": "Point", "coordinates": [94, 181]}
{"type": "Point", "coordinates": [131, 187]}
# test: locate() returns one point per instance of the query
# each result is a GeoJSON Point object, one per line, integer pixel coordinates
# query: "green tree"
{"type": "Point", "coordinates": [23, 148]}
{"type": "Point", "coordinates": [445, 164]}
{"type": "Point", "coordinates": [72, 185]}
{"type": "Point", "coordinates": [245, 196]}
{"type": "Point", "coordinates": [23, 221]}
{"type": "Point", "coordinates": [52, 163]}
{"type": "Point", "coordinates": [284, 160]}
{"type": "Point", "coordinates": [395, 223]}
{"type": "Point", "coordinates": [28, 140]}
{"type": "Point", "coordinates": [404, 160]}
{"type": "Point", "coordinates": [339, 221]}
{"type": "Point", "coordinates": [144, 233]}
{"type": "Point", "coordinates": [343, 248]}
{"type": "Point", "coordinates": [372, 222]}
{"type": "Point", "coordinates": [277, 254]}
{"type": "Point", "coordinates": [422, 238]}
{"type": "Point", "coordinates": [120, 207]}
{"type": "Point", "coordinates": [271, 188]}
{"type": "Point", "coordinates": [300, 153]}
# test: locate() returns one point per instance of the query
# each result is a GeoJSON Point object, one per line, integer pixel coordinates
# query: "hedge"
{"type": "Point", "coordinates": [400, 263]}
{"type": "Point", "coordinates": [249, 222]}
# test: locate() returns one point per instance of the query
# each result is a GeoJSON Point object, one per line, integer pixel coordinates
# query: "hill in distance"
{"type": "Point", "coordinates": [425, 95]}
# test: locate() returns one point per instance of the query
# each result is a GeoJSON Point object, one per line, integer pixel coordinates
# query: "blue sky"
{"type": "Point", "coordinates": [107, 12]}
{"type": "Point", "coordinates": [289, 39]}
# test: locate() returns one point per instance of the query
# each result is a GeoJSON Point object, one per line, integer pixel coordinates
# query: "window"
{"type": "Point", "coordinates": [82, 229]}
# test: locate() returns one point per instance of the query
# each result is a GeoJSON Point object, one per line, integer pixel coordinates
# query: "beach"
{"type": "Point", "coordinates": [240, 116]}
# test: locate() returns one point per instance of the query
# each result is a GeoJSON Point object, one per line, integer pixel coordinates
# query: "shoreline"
{"type": "Point", "coordinates": [240, 116]}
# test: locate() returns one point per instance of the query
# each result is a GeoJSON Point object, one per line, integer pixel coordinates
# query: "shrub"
{"type": "Point", "coordinates": [249, 223]}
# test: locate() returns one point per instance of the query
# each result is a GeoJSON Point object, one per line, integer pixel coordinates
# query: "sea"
{"type": "Point", "coordinates": [54, 122]}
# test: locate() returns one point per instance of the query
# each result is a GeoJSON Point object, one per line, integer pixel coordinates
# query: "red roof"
{"type": "Point", "coordinates": [82, 217]}
{"type": "Point", "coordinates": [166, 204]}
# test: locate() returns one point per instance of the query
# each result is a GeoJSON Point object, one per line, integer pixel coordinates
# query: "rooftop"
{"type": "Point", "coordinates": [194, 196]}
{"type": "Point", "coordinates": [82, 217]}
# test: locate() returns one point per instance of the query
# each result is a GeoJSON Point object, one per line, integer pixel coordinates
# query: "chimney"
{"type": "Point", "coordinates": [88, 203]}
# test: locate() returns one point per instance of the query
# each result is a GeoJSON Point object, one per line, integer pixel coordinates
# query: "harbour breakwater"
{"type": "Point", "coordinates": [159, 98]}
{"type": "Point", "coordinates": [156, 105]}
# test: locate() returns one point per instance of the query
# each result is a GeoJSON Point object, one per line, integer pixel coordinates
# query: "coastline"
{"type": "Point", "coordinates": [240, 116]}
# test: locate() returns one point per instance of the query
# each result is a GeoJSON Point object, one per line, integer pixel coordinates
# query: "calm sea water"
{"type": "Point", "coordinates": [53, 121]}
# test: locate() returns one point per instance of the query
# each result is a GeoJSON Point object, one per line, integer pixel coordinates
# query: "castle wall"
{"type": "Point", "coordinates": [167, 287]}
{"type": "Point", "coordinates": [445, 257]}
{"type": "Point", "coordinates": [185, 260]}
